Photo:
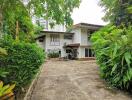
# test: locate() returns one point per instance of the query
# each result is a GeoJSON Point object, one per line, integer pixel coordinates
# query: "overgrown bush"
{"type": "Point", "coordinates": [53, 54]}
{"type": "Point", "coordinates": [22, 62]}
{"type": "Point", "coordinates": [113, 50]}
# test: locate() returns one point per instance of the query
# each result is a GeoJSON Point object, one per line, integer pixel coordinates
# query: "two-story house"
{"type": "Point", "coordinates": [75, 43]}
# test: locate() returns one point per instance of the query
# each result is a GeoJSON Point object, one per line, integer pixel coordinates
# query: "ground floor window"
{"type": "Point", "coordinates": [54, 39]}
{"type": "Point", "coordinates": [89, 52]}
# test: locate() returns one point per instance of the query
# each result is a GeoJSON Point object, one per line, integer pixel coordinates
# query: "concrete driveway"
{"type": "Point", "coordinates": [73, 80]}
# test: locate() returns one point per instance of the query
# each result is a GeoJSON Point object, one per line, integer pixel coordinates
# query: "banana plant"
{"type": "Point", "coordinates": [6, 91]}
{"type": "Point", "coordinates": [3, 51]}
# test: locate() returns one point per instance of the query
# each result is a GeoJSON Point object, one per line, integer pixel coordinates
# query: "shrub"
{"type": "Point", "coordinates": [53, 54]}
{"type": "Point", "coordinates": [22, 62]}
{"type": "Point", "coordinates": [3, 72]}
{"type": "Point", "coordinates": [2, 51]}
{"type": "Point", "coordinates": [113, 50]}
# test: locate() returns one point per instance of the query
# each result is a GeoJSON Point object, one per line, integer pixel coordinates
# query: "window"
{"type": "Point", "coordinates": [90, 32]}
{"type": "Point", "coordinates": [68, 36]}
{"type": "Point", "coordinates": [89, 52]}
{"type": "Point", "coordinates": [41, 39]}
{"type": "Point", "coordinates": [86, 52]}
{"type": "Point", "coordinates": [54, 39]}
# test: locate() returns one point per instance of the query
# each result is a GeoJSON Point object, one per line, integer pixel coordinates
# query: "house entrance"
{"type": "Point", "coordinates": [72, 50]}
{"type": "Point", "coordinates": [71, 53]}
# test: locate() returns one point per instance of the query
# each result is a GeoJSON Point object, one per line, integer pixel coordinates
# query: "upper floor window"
{"type": "Point", "coordinates": [90, 32]}
{"type": "Point", "coordinates": [54, 39]}
{"type": "Point", "coordinates": [68, 36]}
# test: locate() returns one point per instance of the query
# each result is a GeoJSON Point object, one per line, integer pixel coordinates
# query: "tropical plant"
{"type": "Point", "coordinates": [2, 51]}
{"type": "Point", "coordinates": [6, 92]}
{"type": "Point", "coordinates": [113, 50]}
{"type": "Point", "coordinates": [112, 44]}
{"type": "Point", "coordinates": [22, 62]}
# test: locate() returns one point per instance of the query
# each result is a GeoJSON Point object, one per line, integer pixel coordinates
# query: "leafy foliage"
{"type": "Point", "coordinates": [6, 90]}
{"type": "Point", "coordinates": [118, 11]}
{"type": "Point", "coordinates": [2, 51]}
{"type": "Point", "coordinates": [22, 62]}
{"type": "Point", "coordinates": [11, 11]}
{"type": "Point", "coordinates": [3, 72]}
{"type": "Point", "coordinates": [53, 54]}
{"type": "Point", "coordinates": [113, 50]}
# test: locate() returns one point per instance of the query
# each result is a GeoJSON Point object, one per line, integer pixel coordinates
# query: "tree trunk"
{"type": "Point", "coordinates": [17, 31]}
{"type": "Point", "coordinates": [1, 23]}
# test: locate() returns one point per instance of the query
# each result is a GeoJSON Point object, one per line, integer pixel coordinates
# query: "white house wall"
{"type": "Point", "coordinates": [80, 36]}
{"type": "Point", "coordinates": [81, 52]}
{"type": "Point", "coordinates": [49, 46]}
{"type": "Point", "coordinates": [52, 47]}
{"type": "Point", "coordinates": [77, 35]}
{"type": "Point", "coordinates": [68, 41]}
{"type": "Point", "coordinates": [89, 42]}
{"type": "Point", "coordinates": [84, 37]}
{"type": "Point", "coordinates": [40, 44]}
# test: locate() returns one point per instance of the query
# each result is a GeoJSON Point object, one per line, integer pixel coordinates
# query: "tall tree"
{"type": "Point", "coordinates": [118, 11]}
{"type": "Point", "coordinates": [21, 11]}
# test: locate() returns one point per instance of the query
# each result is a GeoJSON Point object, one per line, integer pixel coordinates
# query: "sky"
{"type": "Point", "coordinates": [89, 12]}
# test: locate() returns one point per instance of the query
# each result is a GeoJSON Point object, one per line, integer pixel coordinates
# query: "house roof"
{"type": "Point", "coordinates": [77, 45]}
{"type": "Point", "coordinates": [56, 32]}
{"type": "Point", "coordinates": [51, 32]}
{"type": "Point", "coordinates": [79, 25]}
{"type": "Point", "coordinates": [88, 26]}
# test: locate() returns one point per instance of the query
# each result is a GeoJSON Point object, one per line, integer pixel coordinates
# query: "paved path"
{"type": "Point", "coordinates": [73, 80]}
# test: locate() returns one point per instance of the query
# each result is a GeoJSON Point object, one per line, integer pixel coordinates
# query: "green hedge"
{"type": "Point", "coordinates": [22, 62]}
{"type": "Point", "coordinates": [113, 50]}
{"type": "Point", "coordinates": [53, 55]}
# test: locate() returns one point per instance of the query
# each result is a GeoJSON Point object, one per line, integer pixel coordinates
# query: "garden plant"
{"type": "Point", "coordinates": [20, 57]}
{"type": "Point", "coordinates": [113, 44]}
